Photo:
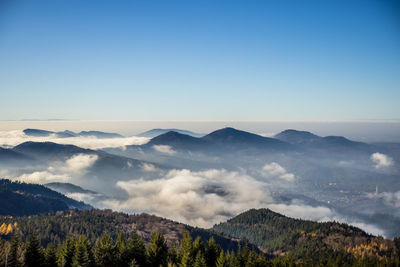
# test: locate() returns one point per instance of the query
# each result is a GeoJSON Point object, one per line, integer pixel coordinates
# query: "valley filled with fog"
{"type": "Point", "coordinates": [203, 177]}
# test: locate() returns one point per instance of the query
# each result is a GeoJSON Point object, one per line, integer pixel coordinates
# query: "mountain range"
{"type": "Point", "coordinates": [67, 133]}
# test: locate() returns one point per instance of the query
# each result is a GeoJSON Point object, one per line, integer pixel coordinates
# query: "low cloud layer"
{"type": "Point", "coordinates": [389, 198]}
{"type": "Point", "coordinates": [13, 138]}
{"type": "Point", "coordinates": [205, 198]}
{"type": "Point", "coordinates": [67, 171]}
{"type": "Point", "coordinates": [381, 160]}
{"type": "Point", "coordinates": [80, 162]}
{"type": "Point", "coordinates": [164, 149]}
{"type": "Point", "coordinates": [275, 170]}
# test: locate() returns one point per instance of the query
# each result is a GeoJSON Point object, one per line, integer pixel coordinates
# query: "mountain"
{"type": "Point", "coordinates": [77, 192]}
{"type": "Point", "coordinates": [65, 188]}
{"type": "Point", "coordinates": [8, 156]}
{"type": "Point", "coordinates": [100, 135]}
{"type": "Point", "coordinates": [220, 140]}
{"type": "Point", "coordinates": [277, 234]}
{"type": "Point", "coordinates": [67, 134]}
{"type": "Point", "coordinates": [177, 141]}
{"type": "Point", "coordinates": [37, 132]}
{"type": "Point", "coordinates": [296, 137]}
{"type": "Point", "coordinates": [232, 138]}
{"type": "Point", "coordinates": [50, 150]}
{"type": "Point", "coordinates": [338, 142]}
{"type": "Point", "coordinates": [19, 199]}
{"type": "Point", "coordinates": [156, 132]}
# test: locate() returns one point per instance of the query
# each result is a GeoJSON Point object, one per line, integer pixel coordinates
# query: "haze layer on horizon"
{"type": "Point", "coordinates": [208, 60]}
{"type": "Point", "coordinates": [366, 131]}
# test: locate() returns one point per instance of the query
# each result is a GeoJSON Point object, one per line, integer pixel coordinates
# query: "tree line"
{"type": "Point", "coordinates": [78, 251]}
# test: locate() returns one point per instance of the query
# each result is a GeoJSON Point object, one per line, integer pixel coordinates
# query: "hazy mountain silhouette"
{"type": "Point", "coordinates": [67, 133]}
{"type": "Point", "coordinates": [296, 137]}
{"type": "Point", "coordinates": [156, 132]}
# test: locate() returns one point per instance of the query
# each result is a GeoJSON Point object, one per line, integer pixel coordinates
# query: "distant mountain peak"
{"type": "Point", "coordinates": [68, 133]}
{"type": "Point", "coordinates": [159, 131]}
{"type": "Point", "coordinates": [296, 137]}
{"type": "Point", "coordinates": [229, 135]}
{"type": "Point", "coordinates": [175, 139]}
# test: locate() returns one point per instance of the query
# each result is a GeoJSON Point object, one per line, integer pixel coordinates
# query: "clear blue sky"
{"type": "Point", "coordinates": [200, 60]}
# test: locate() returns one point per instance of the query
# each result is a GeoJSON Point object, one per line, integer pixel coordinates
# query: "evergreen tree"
{"type": "Point", "coordinates": [50, 256]}
{"type": "Point", "coordinates": [135, 250]}
{"type": "Point", "coordinates": [13, 257]}
{"type": "Point", "coordinates": [200, 260]}
{"type": "Point", "coordinates": [186, 251]}
{"type": "Point", "coordinates": [212, 252]}
{"type": "Point", "coordinates": [67, 253]}
{"type": "Point", "coordinates": [81, 256]}
{"type": "Point", "coordinates": [232, 259]}
{"type": "Point", "coordinates": [157, 250]}
{"type": "Point", "coordinates": [173, 256]}
{"type": "Point", "coordinates": [121, 248]}
{"type": "Point", "coordinates": [198, 247]}
{"type": "Point", "coordinates": [34, 254]}
{"type": "Point", "coordinates": [252, 260]}
{"type": "Point", "coordinates": [243, 254]}
{"type": "Point", "coordinates": [221, 260]}
{"type": "Point", "coordinates": [105, 251]}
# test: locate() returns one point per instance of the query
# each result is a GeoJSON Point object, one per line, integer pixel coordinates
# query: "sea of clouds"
{"type": "Point", "coordinates": [16, 137]}
{"type": "Point", "coordinates": [199, 198]}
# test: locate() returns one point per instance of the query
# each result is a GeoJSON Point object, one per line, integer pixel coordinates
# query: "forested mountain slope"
{"type": "Point", "coordinates": [281, 235]}
{"type": "Point", "coordinates": [19, 199]}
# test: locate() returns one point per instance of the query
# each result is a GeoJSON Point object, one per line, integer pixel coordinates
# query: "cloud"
{"type": "Point", "coordinates": [390, 198]}
{"type": "Point", "coordinates": [13, 138]}
{"type": "Point", "coordinates": [164, 149]}
{"type": "Point", "coordinates": [42, 177]}
{"type": "Point", "coordinates": [80, 162]}
{"type": "Point", "coordinates": [381, 160]}
{"type": "Point", "coordinates": [301, 211]}
{"type": "Point", "coordinates": [204, 198]}
{"type": "Point", "coordinates": [67, 171]}
{"type": "Point", "coordinates": [149, 167]}
{"type": "Point", "coordinates": [197, 198]}
{"type": "Point", "coordinates": [275, 170]}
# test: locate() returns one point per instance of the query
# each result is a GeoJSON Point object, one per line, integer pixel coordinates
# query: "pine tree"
{"type": "Point", "coordinates": [106, 252]}
{"type": "Point", "coordinates": [81, 256]}
{"type": "Point", "coordinates": [186, 250]}
{"type": "Point", "coordinates": [221, 260]}
{"type": "Point", "coordinates": [121, 248]}
{"type": "Point", "coordinates": [173, 256]}
{"type": "Point", "coordinates": [252, 260]}
{"type": "Point", "coordinates": [13, 257]}
{"type": "Point", "coordinates": [200, 260]}
{"type": "Point", "coordinates": [198, 247]}
{"type": "Point", "coordinates": [68, 252]}
{"type": "Point", "coordinates": [34, 254]}
{"type": "Point", "coordinates": [243, 254]}
{"type": "Point", "coordinates": [212, 252]}
{"type": "Point", "coordinates": [157, 250]}
{"type": "Point", "coordinates": [135, 250]}
{"type": "Point", "coordinates": [232, 260]}
{"type": "Point", "coordinates": [50, 256]}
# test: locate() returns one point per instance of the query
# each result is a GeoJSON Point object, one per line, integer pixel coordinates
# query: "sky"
{"type": "Point", "coordinates": [200, 60]}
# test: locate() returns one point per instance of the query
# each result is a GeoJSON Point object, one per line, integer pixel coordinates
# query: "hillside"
{"type": "Point", "coordinates": [280, 235]}
{"type": "Point", "coordinates": [57, 226]}
{"type": "Point", "coordinates": [19, 199]}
